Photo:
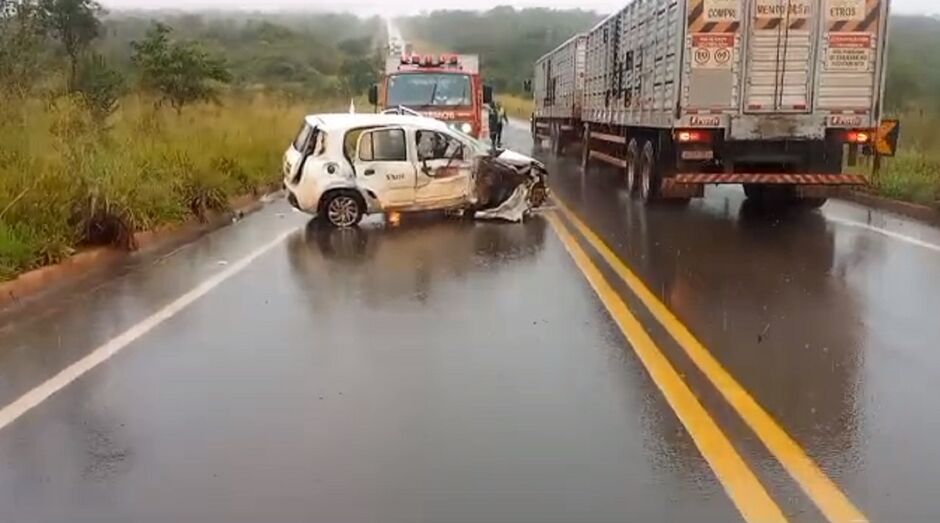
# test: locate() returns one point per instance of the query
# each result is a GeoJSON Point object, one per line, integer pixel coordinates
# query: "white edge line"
{"type": "Point", "coordinates": [31, 399]}
{"type": "Point", "coordinates": [885, 232]}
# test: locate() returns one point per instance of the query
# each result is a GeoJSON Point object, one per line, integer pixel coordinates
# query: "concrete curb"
{"type": "Point", "coordinates": [918, 212]}
{"type": "Point", "coordinates": [72, 269]}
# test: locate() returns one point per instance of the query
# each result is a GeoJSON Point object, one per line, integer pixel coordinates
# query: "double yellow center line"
{"type": "Point", "coordinates": [738, 480]}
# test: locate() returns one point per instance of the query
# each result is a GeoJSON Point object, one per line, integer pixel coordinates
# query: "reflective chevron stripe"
{"type": "Point", "coordinates": [699, 22]}
{"type": "Point", "coordinates": [868, 24]}
{"type": "Point", "coordinates": [772, 179]}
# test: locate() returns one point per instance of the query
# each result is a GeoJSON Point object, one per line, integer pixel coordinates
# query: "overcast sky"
{"type": "Point", "coordinates": [414, 6]}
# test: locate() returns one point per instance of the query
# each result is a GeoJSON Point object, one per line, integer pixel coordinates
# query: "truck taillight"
{"type": "Point", "coordinates": [858, 137]}
{"type": "Point", "coordinates": [692, 136]}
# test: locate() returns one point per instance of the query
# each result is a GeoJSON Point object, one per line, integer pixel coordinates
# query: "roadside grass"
{"type": "Point", "coordinates": [67, 182]}
{"type": "Point", "coordinates": [914, 174]}
{"type": "Point", "coordinates": [517, 106]}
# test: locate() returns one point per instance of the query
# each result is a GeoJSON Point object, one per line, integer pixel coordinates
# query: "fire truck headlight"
{"type": "Point", "coordinates": [466, 127]}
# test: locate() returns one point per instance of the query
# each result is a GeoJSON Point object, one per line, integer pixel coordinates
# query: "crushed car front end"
{"type": "Point", "coordinates": [509, 185]}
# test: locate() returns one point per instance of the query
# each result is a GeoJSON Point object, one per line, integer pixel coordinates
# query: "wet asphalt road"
{"type": "Point", "coordinates": [449, 371]}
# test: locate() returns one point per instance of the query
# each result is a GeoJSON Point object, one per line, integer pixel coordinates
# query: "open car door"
{"type": "Point", "coordinates": [383, 168]}
{"type": "Point", "coordinates": [444, 173]}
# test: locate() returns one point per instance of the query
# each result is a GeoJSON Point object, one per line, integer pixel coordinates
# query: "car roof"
{"type": "Point", "coordinates": [344, 121]}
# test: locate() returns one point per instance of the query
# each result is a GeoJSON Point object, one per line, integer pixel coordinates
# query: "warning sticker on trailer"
{"type": "Point", "coordinates": [712, 50]}
{"type": "Point", "coordinates": [845, 10]}
{"type": "Point", "coordinates": [849, 52]}
{"type": "Point", "coordinates": [722, 10]}
{"type": "Point", "coordinates": [792, 9]}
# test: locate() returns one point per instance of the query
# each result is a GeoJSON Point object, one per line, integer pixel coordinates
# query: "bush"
{"type": "Point", "coordinates": [65, 183]}
{"type": "Point", "coordinates": [911, 176]}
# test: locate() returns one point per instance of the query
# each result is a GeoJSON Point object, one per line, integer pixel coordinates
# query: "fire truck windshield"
{"type": "Point", "coordinates": [429, 89]}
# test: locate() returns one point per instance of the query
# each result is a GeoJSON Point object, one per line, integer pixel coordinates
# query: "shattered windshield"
{"type": "Point", "coordinates": [477, 146]}
{"type": "Point", "coordinates": [429, 89]}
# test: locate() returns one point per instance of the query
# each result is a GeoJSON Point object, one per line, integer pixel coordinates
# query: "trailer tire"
{"type": "Point", "coordinates": [649, 178]}
{"type": "Point", "coordinates": [753, 191]}
{"type": "Point", "coordinates": [585, 148]}
{"type": "Point", "coordinates": [536, 139]}
{"type": "Point", "coordinates": [633, 166]}
{"type": "Point", "coordinates": [555, 140]}
{"type": "Point", "coordinates": [813, 203]}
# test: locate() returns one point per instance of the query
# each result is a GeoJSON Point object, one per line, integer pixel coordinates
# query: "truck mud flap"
{"type": "Point", "coordinates": [671, 189]}
{"type": "Point", "coordinates": [769, 179]}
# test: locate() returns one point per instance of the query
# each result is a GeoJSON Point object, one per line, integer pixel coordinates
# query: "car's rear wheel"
{"type": "Point", "coordinates": [343, 209]}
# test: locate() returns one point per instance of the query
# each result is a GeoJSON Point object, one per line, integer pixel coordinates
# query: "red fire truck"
{"type": "Point", "coordinates": [447, 87]}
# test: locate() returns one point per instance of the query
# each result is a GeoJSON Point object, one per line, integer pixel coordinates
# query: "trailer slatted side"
{"type": "Point", "coordinates": [559, 81]}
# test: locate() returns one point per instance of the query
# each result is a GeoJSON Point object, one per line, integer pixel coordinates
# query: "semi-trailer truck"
{"type": "Point", "coordinates": [679, 94]}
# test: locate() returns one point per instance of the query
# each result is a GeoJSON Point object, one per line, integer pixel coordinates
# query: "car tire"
{"type": "Point", "coordinates": [343, 209]}
{"type": "Point", "coordinates": [649, 178]}
{"type": "Point", "coordinates": [633, 166]}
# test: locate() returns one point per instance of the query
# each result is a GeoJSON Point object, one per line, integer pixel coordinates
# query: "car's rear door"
{"type": "Point", "coordinates": [297, 152]}
{"type": "Point", "coordinates": [444, 175]}
{"type": "Point", "coordinates": [383, 166]}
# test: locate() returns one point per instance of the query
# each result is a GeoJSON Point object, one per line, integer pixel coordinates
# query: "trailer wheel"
{"type": "Point", "coordinates": [536, 139]}
{"type": "Point", "coordinates": [555, 139]}
{"type": "Point", "coordinates": [649, 178]}
{"type": "Point", "coordinates": [753, 191]}
{"type": "Point", "coordinates": [633, 166]}
{"type": "Point", "coordinates": [585, 148]}
{"type": "Point", "coordinates": [813, 203]}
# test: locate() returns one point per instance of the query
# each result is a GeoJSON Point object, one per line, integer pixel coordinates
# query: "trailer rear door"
{"type": "Point", "coordinates": [781, 50]}
{"type": "Point", "coordinates": [850, 64]}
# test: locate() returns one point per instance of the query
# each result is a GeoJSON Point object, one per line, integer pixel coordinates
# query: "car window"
{"type": "Point", "coordinates": [434, 145]}
{"type": "Point", "coordinates": [350, 141]}
{"type": "Point", "coordinates": [383, 145]}
{"type": "Point", "coordinates": [303, 135]}
{"type": "Point", "coordinates": [320, 146]}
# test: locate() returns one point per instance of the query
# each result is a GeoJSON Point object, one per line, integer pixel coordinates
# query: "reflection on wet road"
{"type": "Point", "coordinates": [450, 371]}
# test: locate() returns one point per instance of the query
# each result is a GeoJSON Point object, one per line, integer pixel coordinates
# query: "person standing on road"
{"type": "Point", "coordinates": [497, 119]}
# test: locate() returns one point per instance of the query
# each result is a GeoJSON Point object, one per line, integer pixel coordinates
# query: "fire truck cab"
{"type": "Point", "coordinates": [446, 87]}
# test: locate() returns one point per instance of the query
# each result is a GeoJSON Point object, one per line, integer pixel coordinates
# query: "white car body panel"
{"type": "Point", "coordinates": [392, 182]}
{"type": "Point", "coordinates": [384, 185]}
{"type": "Point", "coordinates": [409, 185]}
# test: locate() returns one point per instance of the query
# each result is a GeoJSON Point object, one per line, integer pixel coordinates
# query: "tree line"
{"type": "Point", "coordinates": [508, 40]}
{"type": "Point", "coordinates": [76, 46]}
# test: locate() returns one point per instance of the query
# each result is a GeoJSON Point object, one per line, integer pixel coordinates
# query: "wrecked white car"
{"type": "Point", "coordinates": [341, 167]}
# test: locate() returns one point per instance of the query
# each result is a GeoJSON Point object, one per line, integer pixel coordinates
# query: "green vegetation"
{"type": "Point", "coordinates": [517, 106]}
{"type": "Point", "coordinates": [509, 41]}
{"type": "Point", "coordinates": [112, 124]}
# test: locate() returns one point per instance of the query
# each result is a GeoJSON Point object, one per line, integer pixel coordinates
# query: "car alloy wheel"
{"type": "Point", "coordinates": [343, 211]}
